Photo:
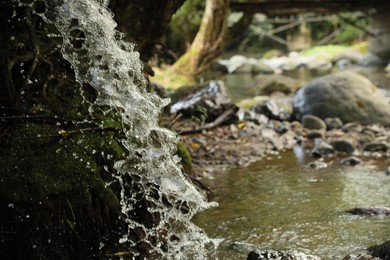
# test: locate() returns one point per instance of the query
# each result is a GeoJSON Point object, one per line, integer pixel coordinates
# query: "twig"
{"type": "Point", "coordinates": [174, 120]}
{"type": "Point", "coordinates": [221, 119]}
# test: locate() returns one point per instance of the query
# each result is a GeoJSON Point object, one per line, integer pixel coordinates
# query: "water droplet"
{"type": "Point", "coordinates": [11, 205]}
{"type": "Point", "coordinates": [93, 151]}
{"type": "Point", "coordinates": [12, 38]}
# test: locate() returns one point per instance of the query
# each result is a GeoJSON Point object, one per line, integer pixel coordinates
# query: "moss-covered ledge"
{"type": "Point", "coordinates": [54, 187]}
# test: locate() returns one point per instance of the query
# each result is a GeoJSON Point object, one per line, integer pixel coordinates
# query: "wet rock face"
{"type": "Point", "coordinates": [345, 95]}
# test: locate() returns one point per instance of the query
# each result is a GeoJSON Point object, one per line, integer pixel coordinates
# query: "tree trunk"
{"type": "Point", "coordinates": [208, 43]}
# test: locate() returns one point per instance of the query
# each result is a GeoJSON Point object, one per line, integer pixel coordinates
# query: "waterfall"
{"type": "Point", "coordinates": [101, 58]}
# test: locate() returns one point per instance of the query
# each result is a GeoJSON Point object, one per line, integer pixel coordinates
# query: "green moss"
{"type": "Point", "coordinates": [327, 49]}
{"type": "Point", "coordinates": [36, 163]}
{"type": "Point", "coordinates": [185, 156]}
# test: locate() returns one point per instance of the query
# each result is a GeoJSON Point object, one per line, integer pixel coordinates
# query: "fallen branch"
{"type": "Point", "coordinates": [225, 116]}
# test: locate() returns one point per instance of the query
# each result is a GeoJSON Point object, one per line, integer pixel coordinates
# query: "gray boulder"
{"type": "Point", "coordinates": [346, 95]}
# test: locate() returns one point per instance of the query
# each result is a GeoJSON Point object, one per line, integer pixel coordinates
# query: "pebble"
{"type": "Point", "coordinates": [343, 146]}
{"type": "Point", "coordinates": [375, 147]}
{"type": "Point", "coordinates": [313, 123]}
{"type": "Point", "coordinates": [333, 123]}
{"type": "Point", "coordinates": [318, 165]}
{"type": "Point", "coordinates": [353, 160]}
{"type": "Point", "coordinates": [322, 148]}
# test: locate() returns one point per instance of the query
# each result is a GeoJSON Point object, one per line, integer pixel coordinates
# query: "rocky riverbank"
{"type": "Point", "coordinates": [269, 128]}
{"type": "Point", "coordinates": [338, 119]}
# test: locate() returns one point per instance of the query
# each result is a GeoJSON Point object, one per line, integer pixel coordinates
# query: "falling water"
{"type": "Point", "coordinates": [102, 59]}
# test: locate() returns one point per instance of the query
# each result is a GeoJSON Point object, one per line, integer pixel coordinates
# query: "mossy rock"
{"type": "Point", "coordinates": [185, 156]}
{"type": "Point", "coordinates": [37, 163]}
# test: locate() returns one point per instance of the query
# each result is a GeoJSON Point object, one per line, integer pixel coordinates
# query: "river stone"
{"type": "Point", "coordinates": [312, 122]}
{"type": "Point", "coordinates": [245, 68]}
{"type": "Point", "coordinates": [315, 133]}
{"type": "Point", "coordinates": [352, 128]}
{"type": "Point", "coordinates": [333, 123]}
{"type": "Point", "coordinates": [280, 255]}
{"type": "Point", "coordinates": [353, 160]}
{"type": "Point", "coordinates": [382, 251]}
{"type": "Point", "coordinates": [361, 256]}
{"type": "Point", "coordinates": [387, 171]}
{"type": "Point", "coordinates": [271, 109]}
{"type": "Point", "coordinates": [317, 165]}
{"type": "Point", "coordinates": [322, 148]}
{"type": "Point", "coordinates": [343, 146]}
{"type": "Point", "coordinates": [372, 60]}
{"type": "Point", "coordinates": [346, 95]}
{"type": "Point", "coordinates": [260, 67]}
{"type": "Point", "coordinates": [268, 84]}
{"type": "Point", "coordinates": [370, 211]}
{"type": "Point", "coordinates": [375, 147]}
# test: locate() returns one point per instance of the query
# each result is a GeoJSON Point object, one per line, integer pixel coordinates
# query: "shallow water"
{"type": "Point", "coordinates": [280, 204]}
{"type": "Point", "coordinates": [243, 85]}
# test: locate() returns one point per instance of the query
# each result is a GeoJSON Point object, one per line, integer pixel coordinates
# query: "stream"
{"type": "Point", "coordinates": [280, 204]}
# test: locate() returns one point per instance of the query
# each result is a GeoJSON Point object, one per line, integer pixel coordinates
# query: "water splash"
{"type": "Point", "coordinates": [102, 59]}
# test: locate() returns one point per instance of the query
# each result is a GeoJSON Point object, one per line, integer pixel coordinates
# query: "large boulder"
{"type": "Point", "coordinates": [346, 95]}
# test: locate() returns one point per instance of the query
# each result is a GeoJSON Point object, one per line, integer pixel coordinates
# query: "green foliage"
{"type": "Point", "coordinates": [36, 163]}
{"type": "Point", "coordinates": [185, 24]}
{"type": "Point", "coordinates": [354, 24]}
{"type": "Point", "coordinates": [328, 49]}
{"type": "Point", "coordinates": [185, 156]}
{"type": "Point", "coordinates": [199, 115]}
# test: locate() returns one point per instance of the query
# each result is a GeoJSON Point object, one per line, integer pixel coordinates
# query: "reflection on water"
{"type": "Point", "coordinates": [281, 205]}
{"type": "Point", "coordinates": [245, 85]}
